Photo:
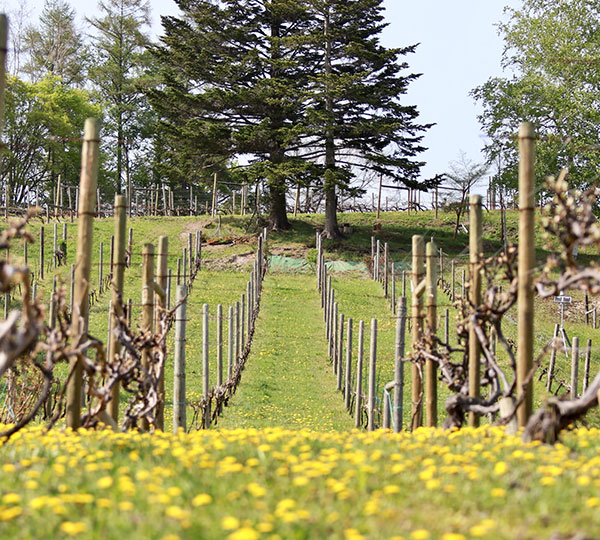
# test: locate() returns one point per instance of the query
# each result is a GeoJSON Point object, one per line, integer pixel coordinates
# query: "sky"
{"type": "Point", "coordinates": [459, 49]}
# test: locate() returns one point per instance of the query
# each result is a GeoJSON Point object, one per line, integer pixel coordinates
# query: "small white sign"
{"type": "Point", "coordinates": [563, 299]}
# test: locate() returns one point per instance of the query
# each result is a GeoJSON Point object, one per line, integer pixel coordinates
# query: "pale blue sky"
{"type": "Point", "coordinates": [460, 49]}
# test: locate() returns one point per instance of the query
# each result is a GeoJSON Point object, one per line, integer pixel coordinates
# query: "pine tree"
{"type": "Point", "coordinates": [356, 119]}
{"type": "Point", "coordinates": [232, 74]}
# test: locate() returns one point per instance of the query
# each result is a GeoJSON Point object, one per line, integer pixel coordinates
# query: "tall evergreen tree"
{"type": "Point", "coordinates": [355, 115]}
{"type": "Point", "coordinates": [56, 46]}
{"type": "Point", "coordinates": [120, 50]}
{"type": "Point", "coordinates": [233, 73]}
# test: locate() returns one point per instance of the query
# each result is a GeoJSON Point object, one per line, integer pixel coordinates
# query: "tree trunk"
{"type": "Point", "coordinates": [331, 230]}
{"type": "Point", "coordinates": [278, 212]}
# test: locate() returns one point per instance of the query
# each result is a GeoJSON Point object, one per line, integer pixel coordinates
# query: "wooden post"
{"type": "Point", "coordinates": [162, 264]}
{"type": "Point", "coordinates": [475, 251]}
{"type": "Point", "coordinates": [372, 374]}
{"type": "Point", "coordinates": [373, 256]}
{"type": "Point", "coordinates": [219, 345]}
{"type": "Point", "coordinates": [100, 266]}
{"type": "Point", "coordinates": [130, 246]}
{"type": "Point", "coordinates": [230, 343]}
{"type": "Point", "coordinates": [525, 268]}
{"type": "Point", "coordinates": [334, 337]}
{"type": "Point", "coordinates": [452, 285]}
{"type": "Point", "coordinates": [586, 366]}
{"type": "Point", "coordinates": [379, 196]}
{"type": "Point", "coordinates": [340, 353]}
{"type": "Point", "coordinates": [178, 271]}
{"type": "Point", "coordinates": [147, 304]}
{"type": "Point", "coordinates": [184, 267]}
{"type": "Point", "coordinates": [55, 244]}
{"type": "Point", "coordinates": [386, 253]}
{"type": "Point", "coordinates": [205, 365]}
{"type": "Point", "coordinates": [213, 211]}
{"type": "Point", "coordinates": [552, 359]}
{"type": "Point", "coordinates": [393, 301]}
{"type": "Point", "coordinates": [447, 326]}
{"type": "Point", "coordinates": [377, 259]}
{"type": "Point", "coordinates": [348, 381]}
{"type": "Point", "coordinates": [25, 252]}
{"type": "Point", "coordinates": [118, 273]}
{"type": "Point", "coordinates": [179, 399]}
{"type": "Point", "coordinates": [190, 238]}
{"type": "Point", "coordinates": [462, 287]}
{"type": "Point", "coordinates": [431, 306]}
{"type": "Point", "coordinates": [359, 370]}
{"type": "Point", "coordinates": [399, 366]}
{"type": "Point", "coordinates": [41, 272]}
{"type": "Point", "coordinates": [418, 256]}
{"type": "Point", "coordinates": [169, 281]}
{"type": "Point", "coordinates": [574, 367]}
{"type": "Point", "coordinates": [594, 317]}
{"type": "Point", "coordinates": [403, 282]}
{"type": "Point", "coordinates": [87, 191]}
{"type": "Point", "coordinates": [237, 332]}
{"type": "Point", "coordinates": [587, 308]}
{"type": "Point", "coordinates": [436, 202]}
{"type": "Point", "coordinates": [297, 200]}
{"type": "Point", "coordinates": [72, 289]}
{"type": "Point", "coordinates": [3, 50]}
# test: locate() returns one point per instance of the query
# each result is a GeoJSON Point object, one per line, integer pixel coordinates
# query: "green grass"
{"type": "Point", "coordinates": [288, 381]}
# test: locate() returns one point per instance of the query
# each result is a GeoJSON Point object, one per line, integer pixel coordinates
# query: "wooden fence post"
{"type": "Point", "coordinates": [230, 344]}
{"type": "Point", "coordinates": [89, 176]}
{"type": "Point", "coordinates": [452, 287]}
{"type": "Point", "coordinates": [418, 254]}
{"type": "Point", "coordinates": [526, 266]}
{"type": "Point", "coordinates": [41, 272]}
{"type": "Point", "coordinates": [372, 375]}
{"type": "Point", "coordinates": [100, 266]}
{"type": "Point", "coordinates": [147, 304]}
{"type": "Point", "coordinates": [55, 244]}
{"type": "Point", "coordinates": [243, 321]}
{"type": "Point", "coordinates": [574, 367]}
{"type": "Point", "coordinates": [179, 399]}
{"type": "Point", "coordinates": [552, 359]}
{"type": "Point", "coordinates": [205, 365]}
{"type": "Point", "coordinates": [399, 366]}
{"type": "Point", "coordinates": [191, 254]}
{"type": "Point", "coordinates": [219, 345]}
{"type": "Point", "coordinates": [340, 352]}
{"type": "Point", "coordinates": [118, 273]}
{"type": "Point", "coordinates": [431, 306]}
{"type": "Point", "coordinates": [475, 249]}
{"type": "Point", "coordinates": [237, 332]}
{"type": "Point", "coordinates": [348, 382]}
{"type": "Point", "coordinates": [359, 370]}
{"type": "Point", "coordinates": [386, 254]}
{"type": "Point", "coordinates": [130, 246]}
{"type": "Point", "coordinates": [393, 300]}
{"type": "Point", "coordinates": [162, 264]}
{"type": "Point", "coordinates": [586, 366]}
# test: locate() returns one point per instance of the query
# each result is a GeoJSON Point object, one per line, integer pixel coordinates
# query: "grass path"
{"type": "Point", "coordinates": [288, 381]}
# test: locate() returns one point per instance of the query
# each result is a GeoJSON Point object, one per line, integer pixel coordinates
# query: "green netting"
{"type": "Point", "coordinates": [280, 263]}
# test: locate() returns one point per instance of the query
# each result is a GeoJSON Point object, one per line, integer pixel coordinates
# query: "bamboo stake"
{"type": "Point", "coordinates": [393, 301]}
{"type": "Point", "coordinates": [386, 254]}
{"type": "Point", "coordinates": [118, 273]}
{"type": "Point", "coordinates": [399, 365]}
{"type": "Point", "coordinates": [359, 370]}
{"type": "Point", "coordinates": [190, 252]}
{"type": "Point", "coordinates": [418, 255]}
{"type": "Point", "coordinates": [372, 374]}
{"type": "Point", "coordinates": [525, 269]}
{"type": "Point", "coordinates": [453, 265]}
{"type": "Point", "coordinates": [87, 189]}
{"type": "Point", "coordinates": [162, 264]}
{"type": "Point", "coordinates": [431, 304]}
{"type": "Point", "coordinates": [475, 250]}
{"type": "Point", "coordinates": [41, 272]}
{"type": "Point", "coordinates": [147, 305]}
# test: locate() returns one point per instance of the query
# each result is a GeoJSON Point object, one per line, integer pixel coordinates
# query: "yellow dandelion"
{"type": "Point", "coordinates": [230, 523]}
{"type": "Point", "coordinates": [73, 528]}
{"type": "Point", "coordinates": [420, 534]}
{"type": "Point", "coordinates": [498, 493]}
{"type": "Point", "coordinates": [105, 482]}
{"type": "Point", "coordinates": [201, 499]}
{"type": "Point", "coordinates": [245, 533]}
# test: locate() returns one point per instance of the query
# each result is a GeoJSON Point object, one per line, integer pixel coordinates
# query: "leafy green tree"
{"type": "Point", "coordinates": [233, 73]}
{"type": "Point", "coordinates": [42, 130]}
{"type": "Point", "coordinates": [120, 61]}
{"type": "Point", "coordinates": [56, 46]}
{"type": "Point", "coordinates": [357, 120]}
{"type": "Point", "coordinates": [551, 48]}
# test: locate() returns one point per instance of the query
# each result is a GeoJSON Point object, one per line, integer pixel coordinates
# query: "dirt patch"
{"type": "Point", "coordinates": [235, 262]}
{"type": "Point", "coordinates": [295, 252]}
